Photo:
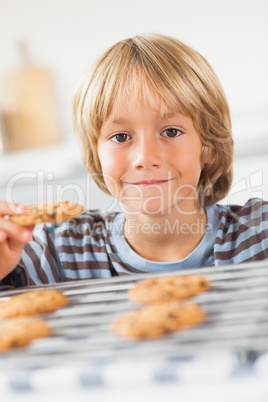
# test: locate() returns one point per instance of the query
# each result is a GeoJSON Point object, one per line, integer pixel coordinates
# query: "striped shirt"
{"type": "Point", "coordinates": [93, 246]}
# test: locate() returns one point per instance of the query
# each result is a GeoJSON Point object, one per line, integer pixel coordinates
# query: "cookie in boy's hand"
{"type": "Point", "coordinates": [20, 331]}
{"type": "Point", "coordinates": [157, 320]}
{"type": "Point", "coordinates": [47, 212]}
{"type": "Point", "coordinates": [32, 303]}
{"type": "Point", "coordinates": [165, 289]}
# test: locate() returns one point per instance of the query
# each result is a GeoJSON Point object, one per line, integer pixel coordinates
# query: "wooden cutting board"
{"type": "Point", "coordinates": [30, 112]}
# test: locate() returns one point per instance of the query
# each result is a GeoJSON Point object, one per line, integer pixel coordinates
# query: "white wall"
{"type": "Point", "coordinates": [67, 35]}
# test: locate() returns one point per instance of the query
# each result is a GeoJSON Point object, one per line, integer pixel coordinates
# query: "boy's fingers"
{"type": "Point", "coordinates": [20, 233]}
{"type": "Point", "coordinates": [10, 208]}
{"type": "Point", "coordinates": [3, 236]}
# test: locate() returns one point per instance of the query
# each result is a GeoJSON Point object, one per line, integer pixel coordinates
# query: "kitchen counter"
{"type": "Point", "coordinates": [62, 160]}
{"type": "Point", "coordinates": [48, 174]}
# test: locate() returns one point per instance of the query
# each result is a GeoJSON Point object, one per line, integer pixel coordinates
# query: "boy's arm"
{"type": "Point", "coordinates": [16, 279]}
{"type": "Point", "coordinates": [12, 238]}
{"type": "Point", "coordinates": [39, 263]}
{"type": "Point", "coordinates": [39, 260]}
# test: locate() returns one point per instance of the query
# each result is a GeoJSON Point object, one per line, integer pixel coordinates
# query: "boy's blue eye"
{"type": "Point", "coordinates": [121, 137]}
{"type": "Point", "coordinates": [171, 133]}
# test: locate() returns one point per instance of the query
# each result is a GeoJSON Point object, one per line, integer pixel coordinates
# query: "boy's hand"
{"type": "Point", "coordinates": [13, 238]}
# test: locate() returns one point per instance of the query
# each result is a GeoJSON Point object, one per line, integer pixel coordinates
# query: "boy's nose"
{"type": "Point", "coordinates": [147, 154]}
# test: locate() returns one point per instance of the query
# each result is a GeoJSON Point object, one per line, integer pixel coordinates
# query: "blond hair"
{"type": "Point", "coordinates": [184, 82]}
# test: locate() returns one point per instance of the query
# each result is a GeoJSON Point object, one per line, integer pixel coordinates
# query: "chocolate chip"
{"type": "Point", "coordinates": [172, 316]}
{"type": "Point", "coordinates": [14, 344]}
{"type": "Point", "coordinates": [167, 295]}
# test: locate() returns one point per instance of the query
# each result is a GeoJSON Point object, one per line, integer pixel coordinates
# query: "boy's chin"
{"type": "Point", "coordinates": [149, 209]}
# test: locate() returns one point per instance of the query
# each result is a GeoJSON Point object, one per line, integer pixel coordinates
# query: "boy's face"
{"type": "Point", "coordinates": [150, 161]}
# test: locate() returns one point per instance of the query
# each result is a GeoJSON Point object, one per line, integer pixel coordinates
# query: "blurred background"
{"type": "Point", "coordinates": [47, 44]}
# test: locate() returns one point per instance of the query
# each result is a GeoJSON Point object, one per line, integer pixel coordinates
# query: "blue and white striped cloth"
{"type": "Point", "coordinates": [204, 371]}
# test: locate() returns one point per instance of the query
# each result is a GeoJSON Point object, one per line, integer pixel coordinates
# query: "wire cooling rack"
{"type": "Point", "coordinates": [236, 307]}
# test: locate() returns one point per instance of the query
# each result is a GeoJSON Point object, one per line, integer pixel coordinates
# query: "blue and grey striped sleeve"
{"type": "Point", "coordinates": [39, 260]}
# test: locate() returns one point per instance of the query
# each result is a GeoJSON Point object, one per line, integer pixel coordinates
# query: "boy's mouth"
{"type": "Point", "coordinates": [150, 182]}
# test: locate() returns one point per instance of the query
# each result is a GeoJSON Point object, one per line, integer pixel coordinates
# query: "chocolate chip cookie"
{"type": "Point", "coordinates": [157, 320]}
{"type": "Point", "coordinates": [20, 331]}
{"type": "Point", "coordinates": [164, 289]}
{"type": "Point", "coordinates": [32, 303]}
{"type": "Point", "coordinates": [47, 212]}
